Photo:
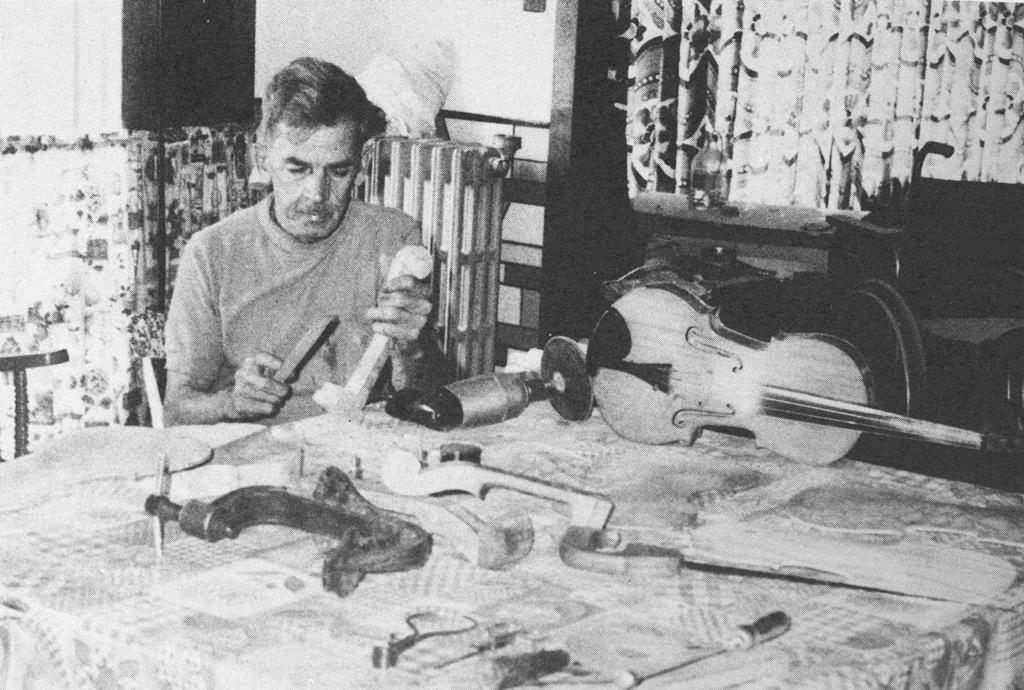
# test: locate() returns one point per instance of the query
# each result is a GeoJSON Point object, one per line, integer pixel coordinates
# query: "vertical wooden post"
{"type": "Point", "coordinates": [20, 412]}
{"type": "Point", "coordinates": [589, 233]}
{"type": "Point", "coordinates": [160, 234]}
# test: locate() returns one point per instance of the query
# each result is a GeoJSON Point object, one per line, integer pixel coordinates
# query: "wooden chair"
{"type": "Point", "coordinates": [18, 365]}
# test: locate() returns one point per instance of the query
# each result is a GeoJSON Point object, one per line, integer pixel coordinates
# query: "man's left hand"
{"type": "Point", "coordinates": [401, 311]}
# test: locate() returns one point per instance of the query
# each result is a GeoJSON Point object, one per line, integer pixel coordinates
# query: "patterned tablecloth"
{"type": "Point", "coordinates": [85, 603]}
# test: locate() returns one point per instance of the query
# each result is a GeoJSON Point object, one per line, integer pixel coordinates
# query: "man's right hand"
{"type": "Point", "coordinates": [256, 394]}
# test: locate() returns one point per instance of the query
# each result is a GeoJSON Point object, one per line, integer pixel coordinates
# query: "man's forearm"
{"type": "Point", "coordinates": [186, 405]}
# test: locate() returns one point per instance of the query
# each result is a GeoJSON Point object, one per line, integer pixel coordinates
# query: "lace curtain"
{"type": "Point", "coordinates": [67, 270]}
{"type": "Point", "coordinates": [77, 222]}
{"type": "Point", "coordinates": [822, 103]}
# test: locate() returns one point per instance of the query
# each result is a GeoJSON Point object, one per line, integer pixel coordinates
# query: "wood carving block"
{"type": "Point", "coordinates": [412, 260]}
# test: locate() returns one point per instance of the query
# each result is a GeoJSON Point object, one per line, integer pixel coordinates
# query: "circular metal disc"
{"type": "Point", "coordinates": [564, 369]}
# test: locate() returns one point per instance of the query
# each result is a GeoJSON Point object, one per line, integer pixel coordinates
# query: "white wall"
{"type": "Point", "coordinates": [60, 67]}
{"type": "Point", "coordinates": [505, 54]}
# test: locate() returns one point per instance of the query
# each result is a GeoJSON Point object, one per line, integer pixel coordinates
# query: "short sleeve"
{"type": "Point", "coordinates": [193, 332]}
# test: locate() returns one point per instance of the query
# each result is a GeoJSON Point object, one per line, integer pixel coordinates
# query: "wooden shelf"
{"type": "Point", "coordinates": [662, 213]}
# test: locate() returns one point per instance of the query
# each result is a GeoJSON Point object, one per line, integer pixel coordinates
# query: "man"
{"type": "Point", "coordinates": [248, 286]}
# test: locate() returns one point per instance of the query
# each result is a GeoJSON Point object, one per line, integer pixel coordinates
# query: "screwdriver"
{"type": "Point", "coordinates": [765, 628]}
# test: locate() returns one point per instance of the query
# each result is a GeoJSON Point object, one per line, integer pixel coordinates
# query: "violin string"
{"type": "Point", "coordinates": [864, 421]}
{"type": "Point", "coordinates": [869, 428]}
{"type": "Point", "coordinates": [852, 420]}
{"type": "Point", "coordinates": [817, 417]}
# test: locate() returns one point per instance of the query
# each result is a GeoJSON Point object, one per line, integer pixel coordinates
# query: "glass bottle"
{"type": "Point", "coordinates": [708, 174]}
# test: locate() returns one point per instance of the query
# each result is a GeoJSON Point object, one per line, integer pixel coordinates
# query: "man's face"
{"type": "Point", "coordinates": [312, 172]}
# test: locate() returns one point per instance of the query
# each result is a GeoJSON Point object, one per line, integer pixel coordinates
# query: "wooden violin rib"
{"type": "Point", "coordinates": [402, 473]}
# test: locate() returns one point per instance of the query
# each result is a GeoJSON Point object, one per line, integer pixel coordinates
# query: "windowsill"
{"type": "Point", "coordinates": [665, 213]}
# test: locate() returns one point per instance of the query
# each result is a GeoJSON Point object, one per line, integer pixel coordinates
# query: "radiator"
{"type": "Point", "coordinates": [454, 191]}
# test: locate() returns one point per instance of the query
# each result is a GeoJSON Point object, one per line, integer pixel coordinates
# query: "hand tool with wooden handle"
{"type": "Point", "coordinates": [307, 344]}
{"type": "Point", "coordinates": [762, 630]}
{"type": "Point", "coordinates": [412, 260]}
{"type": "Point", "coordinates": [402, 473]}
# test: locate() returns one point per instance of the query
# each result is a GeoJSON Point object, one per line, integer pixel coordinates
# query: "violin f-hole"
{"type": "Point", "coordinates": [681, 420]}
{"type": "Point", "coordinates": [696, 339]}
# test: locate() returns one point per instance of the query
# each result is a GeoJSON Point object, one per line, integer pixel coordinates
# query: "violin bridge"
{"type": "Point", "coordinates": [704, 380]}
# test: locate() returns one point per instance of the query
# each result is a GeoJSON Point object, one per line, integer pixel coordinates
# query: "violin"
{"type": "Point", "coordinates": [665, 367]}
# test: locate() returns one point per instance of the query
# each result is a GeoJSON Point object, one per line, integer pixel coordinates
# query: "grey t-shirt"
{"type": "Point", "coordinates": [246, 286]}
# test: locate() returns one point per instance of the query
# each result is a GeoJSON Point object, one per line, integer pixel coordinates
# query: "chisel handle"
{"type": "Point", "coordinates": [765, 628]}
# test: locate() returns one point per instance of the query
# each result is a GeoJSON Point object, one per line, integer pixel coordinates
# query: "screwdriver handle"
{"type": "Point", "coordinates": [765, 628]}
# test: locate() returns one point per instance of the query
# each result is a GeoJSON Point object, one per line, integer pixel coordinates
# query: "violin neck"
{"type": "Point", "coordinates": [815, 409]}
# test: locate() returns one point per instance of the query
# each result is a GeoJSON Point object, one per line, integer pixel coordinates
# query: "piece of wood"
{"type": "Point", "coordinates": [412, 260]}
{"type": "Point", "coordinates": [402, 473]}
{"type": "Point", "coordinates": [903, 567]}
{"type": "Point", "coordinates": [494, 543]}
{"type": "Point", "coordinates": [120, 451]}
{"type": "Point", "coordinates": [304, 348]}
{"type": "Point", "coordinates": [212, 479]}
{"type": "Point", "coordinates": [98, 454]}
{"type": "Point", "coordinates": [153, 399]}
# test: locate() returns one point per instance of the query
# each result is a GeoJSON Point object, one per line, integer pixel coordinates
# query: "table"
{"type": "Point", "coordinates": [83, 602]}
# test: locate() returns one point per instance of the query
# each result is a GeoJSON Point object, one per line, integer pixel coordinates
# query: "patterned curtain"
{"type": "Point", "coordinates": [207, 179]}
{"type": "Point", "coordinates": [66, 281]}
{"type": "Point", "coordinates": [974, 91]}
{"type": "Point", "coordinates": [77, 266]}
{"type": "Point", "coordinates": [823, 103]}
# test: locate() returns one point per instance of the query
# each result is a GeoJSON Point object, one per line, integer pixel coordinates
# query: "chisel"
{"type": "Point", "coordinates": [765, 628]}
{"type": "Point", "coordinates": [303, 349]}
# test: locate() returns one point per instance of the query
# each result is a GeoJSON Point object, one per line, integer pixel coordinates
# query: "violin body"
{"type": "Point", "coordinates": [664, 367]}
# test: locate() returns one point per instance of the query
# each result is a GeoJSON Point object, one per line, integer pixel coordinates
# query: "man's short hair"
{"type": "Point", "coordinates": [310, 93]}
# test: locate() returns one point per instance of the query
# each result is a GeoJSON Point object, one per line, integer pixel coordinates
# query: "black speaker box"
{"type": "Point", "coordinates": [187, 62]}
